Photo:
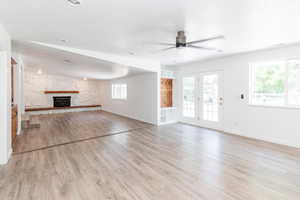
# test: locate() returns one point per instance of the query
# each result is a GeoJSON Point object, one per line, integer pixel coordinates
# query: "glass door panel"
{"type": "Point", "coordinates": [202, 99]}
{"type": "Point", "coordinates": [189, 97]}
{"type": "Point", "coordinates": [210, 101]}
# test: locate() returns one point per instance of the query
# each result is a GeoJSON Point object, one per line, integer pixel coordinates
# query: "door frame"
{"type": "Point", "coordinates": [197, 120]}
{"type": "Point", "coordinates": [5, 108]}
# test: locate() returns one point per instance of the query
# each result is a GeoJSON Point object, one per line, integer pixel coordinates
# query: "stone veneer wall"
{"type": "Point", "coordinates": [35, 85]}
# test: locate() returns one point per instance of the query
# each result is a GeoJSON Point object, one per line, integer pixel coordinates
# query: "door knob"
{"type": "Point", "coordinates": [221, 101]}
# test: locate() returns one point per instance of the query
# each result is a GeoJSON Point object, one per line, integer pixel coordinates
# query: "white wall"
{"type": "Point", "coordinates": [142, 97]}
{"type": "Point", "coordinates": [5, 96]}
{"type": "Point", "coordinates": [35, 85]}
{"type": "Point", "coordinates": [276, 125]}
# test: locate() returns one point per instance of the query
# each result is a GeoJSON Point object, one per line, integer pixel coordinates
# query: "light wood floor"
{"type": "Point", "coordinates": [153, 163]}
{"type": "Point", "coordinates": [57, 129]}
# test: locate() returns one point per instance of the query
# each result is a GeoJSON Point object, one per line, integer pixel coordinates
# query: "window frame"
{"type": "Point", "coordinates": [118, 95]}
{"type": "Point", "coordinates": [251, 82]}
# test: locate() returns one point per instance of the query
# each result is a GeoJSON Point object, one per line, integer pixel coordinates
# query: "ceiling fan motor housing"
{"type": "Point", "coordinates": [180, 39]}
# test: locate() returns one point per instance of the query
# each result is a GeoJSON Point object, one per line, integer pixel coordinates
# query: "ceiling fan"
{"type": "Point", "coordinates": [181, 43]}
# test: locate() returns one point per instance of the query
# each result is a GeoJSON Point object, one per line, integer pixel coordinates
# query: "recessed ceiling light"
{"type": "Point", "coordinates": [85, 78]}
{"type": "Point", "coordinates": [63, 40]}
{"type": "Point", "coordinates": [74, 2]}
{"type": "Point", "coordinates": [131, 53]}
{"type": "Point", "coordinates": [39, 71]}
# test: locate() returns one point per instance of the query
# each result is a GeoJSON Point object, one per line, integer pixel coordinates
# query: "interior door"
{"type": "Point", "coordinates": [203, 100]}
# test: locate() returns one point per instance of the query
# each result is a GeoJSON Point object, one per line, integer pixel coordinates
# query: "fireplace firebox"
{"type": "Point", "coordinates": [63, 101]}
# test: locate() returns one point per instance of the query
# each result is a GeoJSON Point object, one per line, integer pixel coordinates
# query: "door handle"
{"type": "Point", "coordinates": [221, 101]}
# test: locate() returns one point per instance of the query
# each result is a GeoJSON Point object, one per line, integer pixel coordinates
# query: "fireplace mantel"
{"type": "Point", "coordinates": [61, 92]}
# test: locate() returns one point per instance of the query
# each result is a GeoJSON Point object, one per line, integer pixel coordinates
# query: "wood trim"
{"type": "Point", "coordinates": [14, 124]}
{"type": "Point", "coordinates": [59, 108]}
{"type": "Point", "coordinates": [61, 92]}
{"type": "Point", "coordinates": [13, 61]}
{"type": "Point", "coordinates": [166, 93]}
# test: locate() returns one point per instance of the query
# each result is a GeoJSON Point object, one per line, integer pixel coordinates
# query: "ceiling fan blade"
{"type": "Point", "coordinates": [207, 39]}
{"type": "Point", "coordinates": [165, 49]}
{"type": "Point", "coordinates": [166, 44]}
{"type": "Point", "coordinates": [204, 48]}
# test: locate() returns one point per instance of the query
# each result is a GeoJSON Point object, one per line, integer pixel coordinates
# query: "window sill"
{"type": "Point", "coordinates": [277, 107]}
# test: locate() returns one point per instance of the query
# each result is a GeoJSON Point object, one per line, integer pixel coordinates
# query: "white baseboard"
{"type": "Point", "coordinates": [166, 123]}
{"type": "Point", "coordinates": [9, 153]}
{"type": "Point", "coordinates": [4, 161]}
{"type": "Point", "coordinates": [264, 139]}
{"type": "Point", "coordinates": [124, 115]}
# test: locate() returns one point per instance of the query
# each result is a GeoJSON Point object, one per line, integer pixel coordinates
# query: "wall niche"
{"type": "Point", "coordinates": [166, 89]}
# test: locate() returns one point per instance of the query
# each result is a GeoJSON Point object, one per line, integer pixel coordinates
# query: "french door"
{"type": "Point", "coordinates": [203, 99]}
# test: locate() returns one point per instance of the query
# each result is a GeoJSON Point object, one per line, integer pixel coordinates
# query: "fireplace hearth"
{"type": "Point", "coordinates": [62, 101]}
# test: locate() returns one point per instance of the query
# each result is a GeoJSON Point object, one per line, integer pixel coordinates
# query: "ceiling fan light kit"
{"type": "Point", "coordinates": [180, 39]}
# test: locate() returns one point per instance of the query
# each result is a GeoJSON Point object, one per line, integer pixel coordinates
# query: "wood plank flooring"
{"type": "Point", "coordinates": [153, 163]}
{"type": "Point", "coordinates": [65, 128]}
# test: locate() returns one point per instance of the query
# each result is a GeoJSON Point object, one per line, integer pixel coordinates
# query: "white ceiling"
{"type": "Point", "coordinates": [55, 61]}
{"type": "Point", "coordinates": [123, 26]}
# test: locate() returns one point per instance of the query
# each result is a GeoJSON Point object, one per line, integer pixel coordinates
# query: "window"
{"type": "Point", "coordinates": [294, 83]}
{"type": "Point", "coordinates": [275, 84]}
{"type": "Point", "coordinates": [189, 97]}
{"type": "Point", "coordinates": [119, 91]}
